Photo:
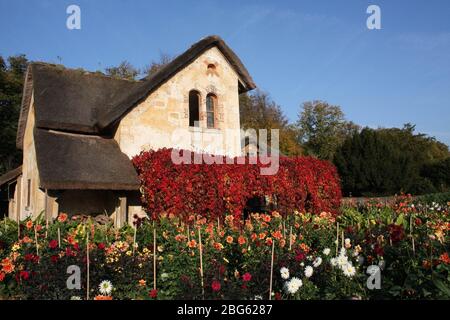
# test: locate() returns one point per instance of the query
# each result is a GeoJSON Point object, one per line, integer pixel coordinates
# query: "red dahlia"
{"type": "Point", "coordinates": [153, 293]}
{"type": "Point", "coordinates": [246, 277]}
{"type": "Point", "coordinates": [215, 285]}
{"type": "Point", "coordinates": [24, 275]}
{"type": "Point", "coordinates": [53, 244]}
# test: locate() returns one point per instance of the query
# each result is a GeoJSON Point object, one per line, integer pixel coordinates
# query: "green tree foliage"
{"type": "Point", "coordinates": [439, 174]}
{"type": "Point", "coordinates": [123, 71]}
{"type": "Point", "coordinates": [388, 161]}
{"type": "Point", "coordinates": [322, 128]}
{"type": "Point", "coordinates": [156, 65]}
{"type": "Point", "coordinates": [259, 111]}
{"type": "Point", "coordinates": [12, 74]}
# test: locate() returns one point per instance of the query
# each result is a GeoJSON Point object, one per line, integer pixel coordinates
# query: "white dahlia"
{"type": "Point", "coordinates": [293, 285]}
{"type": "Point", "coordinates": [333, 262]}
{"type": "Point", "coordinates": [349, 270]}
{"type": "Point", "coordinates": [284, 273]}
{"type": "Point", "coordinates": [308, 271]}
{"type": "Point", "coordinates": [317, 262]}
{"type": "Point", "coordinates": [105, 287]}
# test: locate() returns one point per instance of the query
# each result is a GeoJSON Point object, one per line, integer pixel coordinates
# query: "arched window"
{"type": "Point", "coordinates": [211, 102]}
{"type": "Point", "coordinates": [194, 107]}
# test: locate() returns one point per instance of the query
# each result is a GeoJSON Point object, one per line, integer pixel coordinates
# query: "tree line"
{"type": "Point", "coordinates": [370, 162]}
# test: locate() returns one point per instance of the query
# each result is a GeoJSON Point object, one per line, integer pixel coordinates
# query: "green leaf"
{"type": "Point", "coordinates": [400, 219]}
{"type": "Point", "coordinates": [441, 286]}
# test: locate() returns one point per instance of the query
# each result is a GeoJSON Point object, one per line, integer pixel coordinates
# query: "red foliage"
{"type": "Point", "coordinates": [302, 183]}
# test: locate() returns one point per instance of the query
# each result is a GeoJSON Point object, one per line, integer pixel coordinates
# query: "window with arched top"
{"type": "Point", "coordinates": [194, 108]}
{"type": "Point", "coordinates": [211, 103]}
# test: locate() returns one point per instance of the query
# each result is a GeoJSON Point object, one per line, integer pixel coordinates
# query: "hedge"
{"type": "Point", "coordinates": [301, 183]}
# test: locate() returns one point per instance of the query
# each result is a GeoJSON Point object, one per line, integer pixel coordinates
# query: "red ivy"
{"type": "Point", "coordinates": [302, 183]}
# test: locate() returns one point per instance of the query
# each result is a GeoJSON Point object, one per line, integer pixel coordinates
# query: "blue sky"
{"type": "Point", "coordinates": [295, 50]}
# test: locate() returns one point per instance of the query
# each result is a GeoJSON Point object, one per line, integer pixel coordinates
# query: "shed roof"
{"type": "Point", "coordinates": [10, 175]}
{"type": "Point", "coordinates": [75, 161]}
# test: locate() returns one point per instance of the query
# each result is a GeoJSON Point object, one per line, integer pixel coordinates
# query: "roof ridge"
{"type": "Point", "coordinates": [169, 70]}
{"type": "Point", "coordinates": [81, 71]}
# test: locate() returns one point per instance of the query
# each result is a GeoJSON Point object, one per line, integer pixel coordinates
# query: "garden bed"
{"type": "Point", "coordinates": [298, 256]}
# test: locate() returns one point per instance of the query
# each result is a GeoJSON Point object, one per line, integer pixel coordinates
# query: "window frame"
{"type": "Point", "coordinates": [192, 124]}
{"type": "Point", "coordinates": [213, 98]}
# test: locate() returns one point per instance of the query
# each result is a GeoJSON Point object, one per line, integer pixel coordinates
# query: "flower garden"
{"type": "Point", "coordinates": [301, 256]}
{"type": "Point", "coordinates": [199, 244]}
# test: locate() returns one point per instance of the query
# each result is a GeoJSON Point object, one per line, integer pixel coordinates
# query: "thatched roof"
{"type": "Point", "coordinates": [75, 161]}
{"type": "Point", "coordinates": [69, 100]}
{"type": "Point", "coordinates": [10, 175]}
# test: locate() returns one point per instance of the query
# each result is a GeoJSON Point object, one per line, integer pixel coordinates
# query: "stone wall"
{"type": "Point", "coordinates": [162, 119]}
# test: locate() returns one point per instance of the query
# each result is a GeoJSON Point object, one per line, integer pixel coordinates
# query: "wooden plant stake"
{"type": "Point", "coordinates": [411, 234]}
{"type": "Point", "coordinates": [290, 238]}
{"type": "Point", "coordinates": [87, 265]}
{"type": "Point", "coordinates": [154, 256]}
{"type": "Point", "coordinates": [46, 225]}
{"type": "Point", "coordinates": [36, 241]}
{"type": "Point", "coordinates": [59, 237]}
{"type": "Point", "coordinates": [342, 241]}
{"type": "Point", "coordinates": [134, 238]}
{"type": "Point", "coordinates": [271, 270]}
{"type": "Point", "coordinates": [188, 234]}
{"type": "Point", "coordinates": [337, 238]}
{"type": "Point", "coordinates": [201, 261]}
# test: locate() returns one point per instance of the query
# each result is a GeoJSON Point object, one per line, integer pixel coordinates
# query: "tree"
{"type": "Point", "coordinates": [126, 70]}
{"type": "Point", "coordinates": [439, 174]}
{"type": "Point", "coordinates": [259, 111]}
{"type": "Point", "coordinates": [156, 65]}
{"type": "Point", "coordinates": [370, 164]}
{"type": "Point", "coordinates": [12, 76]}
{"type": "Point", "coordinates": [386, 161]}
{"type": "Point", "coordinates": [322, 128]}
{"type": "Point", "coordinates": [123, 71]}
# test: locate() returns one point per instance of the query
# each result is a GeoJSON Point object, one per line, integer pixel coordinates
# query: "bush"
{"type": "Point", "coordinates": [434, 198]}
{"type": "Point", "coordinates": [439, 174]}
{"type": "Point", "coordinates": [389, 161]}
{"type": "Point", "coordinates": [302, 183]}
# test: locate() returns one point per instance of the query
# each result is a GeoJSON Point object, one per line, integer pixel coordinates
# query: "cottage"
{"type": "Point", "coordinates": [78, 130]}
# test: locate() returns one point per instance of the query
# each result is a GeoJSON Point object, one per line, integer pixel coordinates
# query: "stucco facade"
{"type": "Point", "coordinates": [32, 201]}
